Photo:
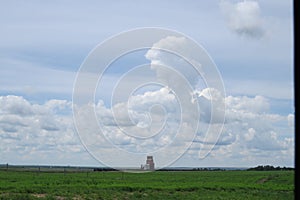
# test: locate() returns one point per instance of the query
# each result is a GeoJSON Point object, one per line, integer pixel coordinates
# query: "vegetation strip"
{"type": "Point", "coordinates": [159, 185]}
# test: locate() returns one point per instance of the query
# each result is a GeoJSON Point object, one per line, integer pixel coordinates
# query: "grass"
{"type": "Point", "coordinates": [154, 185]}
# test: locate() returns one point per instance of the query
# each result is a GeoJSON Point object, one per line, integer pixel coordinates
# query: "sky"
{"type": "Point", "coordinates": [250, 43]}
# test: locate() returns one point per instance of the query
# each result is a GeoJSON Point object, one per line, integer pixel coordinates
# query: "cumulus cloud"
{"type": "Point", "coordinates": [151, 120]}
{"type": "Point", "coordinates": [248, 133]}
{"type": "Point", "coordinates": [152, 115]}
{"type": "Point", "coordinates": [177, 63]}
{"type": "Point", "coordinates": [186, 70]}
{"type": "Point", "coordinates": [164, 118]}
{"type": "Point", "coordinates": [258, 104]}
{"type": "Point", "coordinates": [244, 18]}
{"type": "Point", "coordinates": [291, 120]}
{"type": "Point", "coordinates": [15, 105]}
{"type": "Point", "coordinates": [211, 105]}
{"type": "Point", "coordinates": [35, 129]}
{"type": "Point", "coordinates": [248, 125]}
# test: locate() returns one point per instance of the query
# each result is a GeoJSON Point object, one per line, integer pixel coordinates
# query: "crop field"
{"type": "Point", "coordinates": [152, 185]}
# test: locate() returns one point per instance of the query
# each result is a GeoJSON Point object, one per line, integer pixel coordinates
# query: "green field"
{"type": "Point", "coordinates": [154, 185]}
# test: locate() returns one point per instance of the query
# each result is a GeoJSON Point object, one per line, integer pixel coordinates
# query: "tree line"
{"type": "Point", "coordinates": [269, 168]}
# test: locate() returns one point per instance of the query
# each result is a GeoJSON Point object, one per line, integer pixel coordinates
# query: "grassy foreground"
{"type": "Point", "coordinates": [154, 185]}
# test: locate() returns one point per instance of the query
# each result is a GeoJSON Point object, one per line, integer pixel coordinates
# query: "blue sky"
{"type": "Point", "coordinates": [43, 45]}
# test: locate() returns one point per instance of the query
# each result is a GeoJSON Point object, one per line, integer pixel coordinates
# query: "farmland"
{"type": "Point", "coordinates": [153, 185]}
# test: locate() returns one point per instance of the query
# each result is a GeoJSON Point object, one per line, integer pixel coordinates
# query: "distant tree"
{"type": "Point", "coordinates": [269, 168]}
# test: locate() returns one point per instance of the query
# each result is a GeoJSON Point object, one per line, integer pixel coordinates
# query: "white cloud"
{"type": "Point", "coordinates": [211, 104]}
{"type": "Point", "coordinates": [248, 124]}
{"type": "Point", "coordinates": [244, 18]}
{"type": "Point", "coordinates": [258, 104]}
{"type": "Point", "coordinates": [48, 129]}
{"type": "Point", "coordinates": [159, 59]}
{"type": "Point", "coordinates": [15, 105]}
{"type": "Point", "coordinates": [35, 131]}
{"type": "Point", "coordinates": [185, 73]}
{"type": "Point", "coordinates": [250, 134]}
{"type": "Point", "coordinates": [291, 120]}
{"type": "Point", "coordinates": [249, 131]}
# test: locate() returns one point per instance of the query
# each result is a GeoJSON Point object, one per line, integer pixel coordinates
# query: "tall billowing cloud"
{"type": "Point", "coordinates": [244, 18]}
{"type": "Point", "coordinates": [160, 58]}
{"type": "Point", "coordinates": [183, 66]}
